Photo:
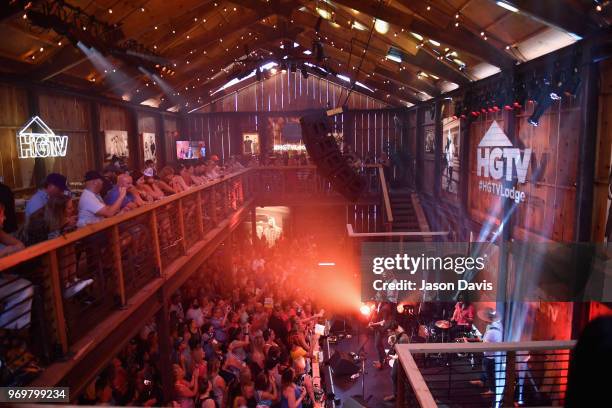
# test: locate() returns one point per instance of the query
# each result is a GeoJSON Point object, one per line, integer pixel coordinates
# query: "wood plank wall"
{"type": "Point", "coordinates": [70, 116]}
{"type": "Point", "coordinates": [369, 132]}
{"type": "Point", "coordinates": [368, 127]}
{"type": "Point", "coordinates": [83, 120]}
{"type": "Point", "coordinates": [603, 170]}
{"type": "Point", "coordinates": [290, 91]}
{"type": "Point", "coordinates": [13, 114]}
{"type": "Point", "coordinates": [549, 209]}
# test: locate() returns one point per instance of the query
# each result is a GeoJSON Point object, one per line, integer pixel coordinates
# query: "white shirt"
{"type": "Point", "coordinates": [493, 334]}
{"type": "Point", "coordinates": [89, 204]}
{"type": "Point", "coordinates": [196, 315]}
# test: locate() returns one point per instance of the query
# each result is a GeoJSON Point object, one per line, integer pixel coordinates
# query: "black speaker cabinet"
{"type": "Point", "coordinates": [342, 364]}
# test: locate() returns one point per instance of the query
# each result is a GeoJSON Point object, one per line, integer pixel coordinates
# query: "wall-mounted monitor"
{"type": "Point", "coordinates": [190, 149]}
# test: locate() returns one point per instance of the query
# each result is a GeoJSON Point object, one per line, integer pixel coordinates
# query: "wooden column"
{"type": "Point", "coordinates": [134, 142]}
{"type": "Point", "coordinates": [58, 304]}
{"type": "Point", "coordinates": [116, 245]}
{"type": "Point", "coordinates": [160, 143]}
{"type": "Point", "coordinates": [165, 351]}
{"type": "Point", "coordinates": [96, 134]}
{"type": "Point", "coordinates": [587, 154]}
{"type": "Point", "coordinates": [419, 134]}
{"type": "Point", "coordinates": [199, 214]}
{"type": "Point", "coordinates": [508, 397]}
{"type": "Point", "coordinates": [253, 224]}
{"type": "Point", "coordinates": [438, 150]}
{"type": "Point", "coordinates": [155, 236]}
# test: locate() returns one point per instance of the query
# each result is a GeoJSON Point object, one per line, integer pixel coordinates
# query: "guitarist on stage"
{"type": "Point", "coordinates": [383, 322]}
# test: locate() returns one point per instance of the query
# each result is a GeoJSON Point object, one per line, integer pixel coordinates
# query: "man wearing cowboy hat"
{"type": "Point", "coordinates": [492, 334]}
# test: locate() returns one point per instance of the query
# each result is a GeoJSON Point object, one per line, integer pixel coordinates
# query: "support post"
{"type": "Point", "coordinates": [165, 351]}
{"type": "Point", "coordinates": [118, 265]}
{"type": "Point", "coordinates": [155, 236]}
{"type": "Point", "coordinates": [58, 304]}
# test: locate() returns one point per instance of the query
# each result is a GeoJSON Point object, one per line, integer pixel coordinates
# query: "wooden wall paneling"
{"type": "Point", "coordinates": [13, 114]}
{"type": "Point", "coordinates": [70, 116]}
{"type": "Point", "coordinates": [549, 210]}
{"type": "Point", "coordinates": [603, 164]}
{"type": "Point", "coordinates": [483, 207]}
{"type": "Point", "coordinates": [170, 129]}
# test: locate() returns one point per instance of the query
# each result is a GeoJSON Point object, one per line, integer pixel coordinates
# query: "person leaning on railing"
{"type": "Point", "coordinates": [54, 185]}
{"type": "Point", "coordinates": [92, 208]}
{"type": "Point", "coordinates": [54, 219]}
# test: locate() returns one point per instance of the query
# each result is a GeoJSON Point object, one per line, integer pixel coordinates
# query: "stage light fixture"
{"type": "Point", "coordinates": [365, 309]}
{"type": "Point", "coordinates": [507, 6]}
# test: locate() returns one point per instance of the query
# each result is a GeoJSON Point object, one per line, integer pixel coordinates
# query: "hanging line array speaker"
{"type": "Point", "coordinates": [325, 153]}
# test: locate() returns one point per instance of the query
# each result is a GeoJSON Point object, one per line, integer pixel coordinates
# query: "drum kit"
{"type": "Point", "coordinates": [428, 329]}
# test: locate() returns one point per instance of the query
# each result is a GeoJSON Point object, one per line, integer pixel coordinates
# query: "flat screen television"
{"type": "Point", "coordinates": [190, 150]}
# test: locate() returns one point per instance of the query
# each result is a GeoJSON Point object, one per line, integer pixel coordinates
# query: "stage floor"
{"type": "Point", "coordinates": [377, 382]}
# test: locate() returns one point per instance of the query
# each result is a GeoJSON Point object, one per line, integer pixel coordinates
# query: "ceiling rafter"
{"type": "Point", "coordinates": [421, 60]}
{"type": "Point", "coordinates": [562, 16]}
{"type": "Point", "coordinates": [373, 55]}
{"type": "Point", "coordinates": [458, 38]}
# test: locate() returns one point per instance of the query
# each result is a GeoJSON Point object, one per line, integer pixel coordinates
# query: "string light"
{"type": "Point", "coordinates": [110, 11]}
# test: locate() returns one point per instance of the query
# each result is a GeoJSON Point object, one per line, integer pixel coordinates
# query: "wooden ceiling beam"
{"type": "Point", "coordinates": [458, 37]}
{"type": "Point", "coordinates": [421, 60]}
{"type": "Point", "coordinates": [557, 13]}
{"type": "Point", "coordinates": [342, 58]}
{"type": "Point", "coordinates": [211, 37]}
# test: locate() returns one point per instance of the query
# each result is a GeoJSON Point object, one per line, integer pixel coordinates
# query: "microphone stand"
{"type": "Point", "coordinates": [362, 357]}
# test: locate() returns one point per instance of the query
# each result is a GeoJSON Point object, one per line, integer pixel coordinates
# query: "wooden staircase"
{"type": "Point", "coordinates": [404, 214]}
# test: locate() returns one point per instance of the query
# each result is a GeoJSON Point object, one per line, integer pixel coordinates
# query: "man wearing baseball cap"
{"type": "Point", "coordinates": [92, 208]}
{"type": "Point", "coordinates": [54, 185]}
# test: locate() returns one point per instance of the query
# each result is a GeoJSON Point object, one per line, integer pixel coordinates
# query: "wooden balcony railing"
{"type": "Point", "coordinates": [530, 373]}
{"type": "Point", "coordinates": [53, 294]}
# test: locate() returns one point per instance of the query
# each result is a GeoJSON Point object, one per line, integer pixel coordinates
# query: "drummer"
{"type": "Point", "coordinates": [463, 317]}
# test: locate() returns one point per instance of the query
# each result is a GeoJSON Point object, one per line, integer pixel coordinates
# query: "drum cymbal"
{"type": "Point", "coordinates": [443, 324]}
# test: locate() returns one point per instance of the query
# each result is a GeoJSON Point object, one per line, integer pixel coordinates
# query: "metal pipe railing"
{"type": "Point", "coordinates": [530, 373]}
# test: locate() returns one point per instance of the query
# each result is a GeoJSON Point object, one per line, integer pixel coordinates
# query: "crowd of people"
{"type": "Point", "coordinates": [51, 211]}
{"type": "Point", "coordinates": [241, 332]}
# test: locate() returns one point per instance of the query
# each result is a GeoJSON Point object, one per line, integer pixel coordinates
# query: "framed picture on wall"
{"type": "Point", "coordinates": [116, 144]}
{"type": "Point", "coordinates": [451, 153]}
{"type": "Point", "coordinates": [430, 141]}
{"type": "Point", "coordinates": [250, 143]}
{"type": "Point", "coordinates": [149, 146]}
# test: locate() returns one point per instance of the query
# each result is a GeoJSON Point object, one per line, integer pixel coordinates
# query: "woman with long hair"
{"type": "Point", "coordinates": [184, 390]}
{"type": "Point", "coordinates": [291, 396]}
{"type": "Point", "coordinates": [54, 219]}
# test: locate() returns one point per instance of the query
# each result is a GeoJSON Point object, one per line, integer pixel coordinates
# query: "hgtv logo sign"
{"type": "Point", "coordinates": [497, 159]}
